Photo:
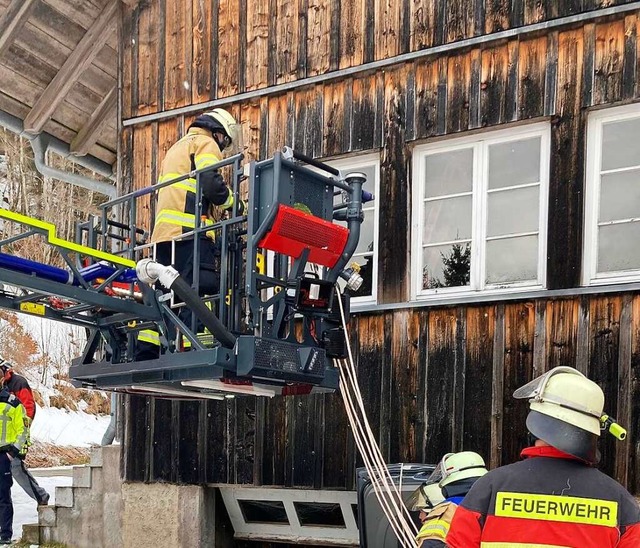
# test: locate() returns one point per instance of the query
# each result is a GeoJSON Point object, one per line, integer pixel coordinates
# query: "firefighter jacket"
{"type": "Point", "coordinates": [549, 500]}
{"type": "Point", "coordinates": [12, 428]}
{"type": "Point", "coordinates": [19, 387]}
{"type": "Point", "coordinates": [176, 206]}
{"type": "Point", "coordinates": [436, 526]}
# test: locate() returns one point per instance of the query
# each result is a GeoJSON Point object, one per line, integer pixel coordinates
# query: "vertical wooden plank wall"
{"type": "Point", "coordinates": [306, 441]}
{"type": "Point", "coordinates": [180, 53]}
{"type": "Point", "coordinates": [554, 78]}
{"type": "Point", "coordinates": [433, 380]}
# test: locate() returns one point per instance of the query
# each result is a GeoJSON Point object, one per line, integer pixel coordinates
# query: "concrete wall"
{"type": "Point", "coordinates": [162, 514]}
{"type": "Point", "coordinates": [99, 510]}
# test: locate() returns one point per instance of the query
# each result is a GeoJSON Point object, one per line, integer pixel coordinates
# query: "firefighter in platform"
{"type": "Point", "coordinates": [555, 496]}
{"type": "Point", "coordinates": [454, 476]}
{"type": "Point", "coordinates": [207, 138]}
{"type": "Point", "coordinates": [19, 387]}
{"type": "Point", "coordinates": [12, 441]}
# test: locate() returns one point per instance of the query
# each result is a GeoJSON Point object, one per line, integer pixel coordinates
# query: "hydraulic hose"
{"type": "Point", "coordinates": [150, 271]}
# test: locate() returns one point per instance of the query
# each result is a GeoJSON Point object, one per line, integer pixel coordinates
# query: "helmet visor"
{"type": "Point", "coordinates": [234, 132]}
{"type": "Point", "coordinates": [418, 500]}
{"type": "Point", "coordinates": [440, 472]}
{"type": "Point", "coordinates": [536, 387]}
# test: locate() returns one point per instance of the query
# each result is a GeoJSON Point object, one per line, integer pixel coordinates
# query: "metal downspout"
{"type": "Point", "coordinates": [44, 141]}
{"type": "Point", "coordinates": [110, 433]}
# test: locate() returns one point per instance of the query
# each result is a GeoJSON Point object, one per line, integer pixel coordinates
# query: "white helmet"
{"type": "Point", "coordinates": [566, 411]}
{"type": "Point", "coordinates": [221, 121]}
{"type": "Point", "coordinates": [456, 467]}
{"type": "Point", "coordinates": [5, 364]}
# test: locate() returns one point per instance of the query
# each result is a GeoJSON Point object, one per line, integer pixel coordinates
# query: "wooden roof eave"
{"type": "Point", "coordinates": [56, 100]}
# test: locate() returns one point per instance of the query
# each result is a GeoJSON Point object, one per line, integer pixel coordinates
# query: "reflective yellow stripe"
{"type": "Point", "coordinates": [50, 230]}
{"type": "Point", "coordinates": [168, 176]}
{"type": "Point", "coordinates": [206, 160]}
{"type": "Point", "coordinates": [229, 201]}
{"type": "Point", "coordinates": [175, 217]}
{"type": "Point", "coordinates": [149, 336]}
{"type": "Point", "coordinates": [557, 508]}
{"type": "Point", "coordinates": [186, 184]}
{"type": "Point", "coordinates": [434, 528]}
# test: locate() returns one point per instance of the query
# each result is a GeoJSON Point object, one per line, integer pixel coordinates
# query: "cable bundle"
{"type": "Point", "coordinates": [386, 491]}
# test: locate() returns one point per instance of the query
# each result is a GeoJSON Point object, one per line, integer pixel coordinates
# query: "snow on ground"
{"type": "Point", "coordinates": [25, 509]}
{"type": "Point", "coordinates": [62, 427]}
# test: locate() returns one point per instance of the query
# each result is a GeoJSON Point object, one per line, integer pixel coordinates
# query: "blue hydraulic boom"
{"type": "Point", "coordinates": [273, 328]}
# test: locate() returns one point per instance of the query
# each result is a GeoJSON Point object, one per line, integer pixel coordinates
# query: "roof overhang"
{"type": "Point", "coordinates": [58, 76]}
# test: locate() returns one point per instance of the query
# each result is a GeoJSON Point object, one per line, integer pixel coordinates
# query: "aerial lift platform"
{"type": "Point", "coordinates": [276, 322]}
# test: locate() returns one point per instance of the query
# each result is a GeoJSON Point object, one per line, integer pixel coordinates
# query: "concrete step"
{"type": "Point", "coordinates": [31, 533]}
{"type": "Point", "coordinates": [47, 516]}
{"type": "Point", "coordinates": [96, 457]}
{"type": "Point", "coordinates": [82, 476]}
{"type": "Point", "coordinates": [64, 497]}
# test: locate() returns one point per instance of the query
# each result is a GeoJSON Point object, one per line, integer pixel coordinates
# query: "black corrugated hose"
{"type": "Point", "coordinates": [183, 290]}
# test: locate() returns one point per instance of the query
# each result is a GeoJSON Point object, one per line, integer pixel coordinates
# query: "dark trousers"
{"type": "Point", "coordinates": [209, 280]}
{"type": "Point", "coordinates": [6, 504]}
{"type": "Point", "coordinates": [25, 480]}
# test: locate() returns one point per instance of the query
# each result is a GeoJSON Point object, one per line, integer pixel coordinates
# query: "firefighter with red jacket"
{"type": "Point", "coordinates": [555, 496]}
{"type": "Point", "coordinates": [19, 387]}
{"type": "Point", "coordinates": [207, 137]}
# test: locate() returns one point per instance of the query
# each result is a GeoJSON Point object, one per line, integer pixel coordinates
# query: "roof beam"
{"type": "Point", "coordinates": [90, 132]}
{"type": "Point", "coordinates": [12, 21]}
{"type": "Point", "coordinates": [81, 57]}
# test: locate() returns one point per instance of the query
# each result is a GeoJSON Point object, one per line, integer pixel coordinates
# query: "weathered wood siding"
{"type": "Point", "coordinates": [556, 77]}
{"type": "Point", "coordinates": [430, 381]}
{"type": "Point", "coordinates": [434, 380]}
{"type": "Point", "coordinates": [188, 51]}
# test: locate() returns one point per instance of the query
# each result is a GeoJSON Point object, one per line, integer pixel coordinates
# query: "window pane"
{"type": "Point", "coordinates": [365, 244]}
{"type": "Point", "coordinates": [446, 266]}
{"type": "Point", "coordinates": [448, 173]}
{"type": "Point", "coordinates": [447, 219]}
{"type": "Point", "coordinates": [620, 195]}
{"type": "Point", "coordinates": [514, 163]}
{"type": "Point", "coordinates": [319, 514]}
{"type": "Point", "coordinates": [621, 144]}
{"type": "Point", "coordinates": [618, 247]}
{"type": "Point", "coordinates": [512, 260]}
{"type": "Point", "coordinates": [513, 211]}
{"type": "Point", "coordinates": [263, 511]}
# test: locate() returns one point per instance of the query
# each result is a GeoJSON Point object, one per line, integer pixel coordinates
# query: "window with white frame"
{"type": "Point", "coordinates": [480, 208]}
{"type": "Point", "coordinates": [612, 204]}
{"type": "Point", "coordinates": [366, 254]}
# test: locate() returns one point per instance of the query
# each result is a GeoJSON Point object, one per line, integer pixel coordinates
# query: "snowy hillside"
{"type": "Point", "coordinates": [66, 417]}
{"type": "Point", "coordinates": [68, 428]}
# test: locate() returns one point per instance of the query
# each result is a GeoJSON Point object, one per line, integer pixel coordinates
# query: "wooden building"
{"type": "Point", "coordinates": [501, 139]}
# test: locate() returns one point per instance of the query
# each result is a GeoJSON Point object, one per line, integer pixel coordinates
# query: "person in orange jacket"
{"type": "Point", "coordinates": [555, 496]}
